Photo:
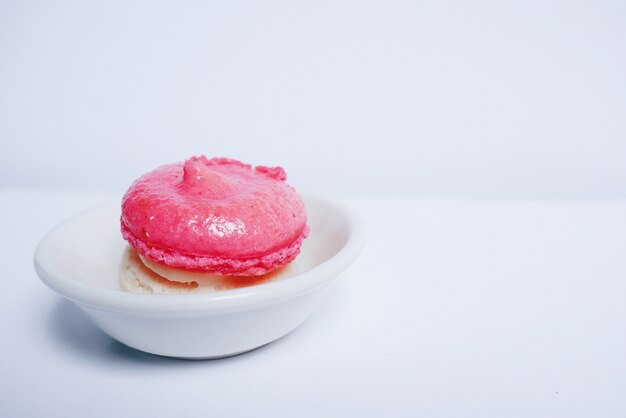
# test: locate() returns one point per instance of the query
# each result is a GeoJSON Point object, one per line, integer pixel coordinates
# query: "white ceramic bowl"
{"type": "Point", "coordinates": [80, 260]}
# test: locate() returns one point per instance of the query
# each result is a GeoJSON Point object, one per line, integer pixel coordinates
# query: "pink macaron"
{"type": "Point", "coordinates": [216, 215]}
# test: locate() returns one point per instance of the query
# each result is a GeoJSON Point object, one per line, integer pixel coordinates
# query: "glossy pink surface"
{"type": "Point", "coordinates": [216, 215]}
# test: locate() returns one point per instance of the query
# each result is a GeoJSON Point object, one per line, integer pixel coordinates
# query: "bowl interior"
{"type": "Point", "coordinates": [88, 248]}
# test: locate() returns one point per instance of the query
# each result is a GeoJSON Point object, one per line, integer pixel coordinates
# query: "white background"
{"type": "Point", "coordinates": [490, 307]}
{"type": "Point", "coordinates": [427, 98]}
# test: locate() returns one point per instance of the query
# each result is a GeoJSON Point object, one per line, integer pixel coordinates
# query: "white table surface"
{"type": "Point", "coordinates": [482, 308]}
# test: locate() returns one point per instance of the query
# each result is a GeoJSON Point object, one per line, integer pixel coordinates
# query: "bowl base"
{"type": "Point", "coordinates": [221, 356]}
{"type": "Point", "coordinates": [218, 357]}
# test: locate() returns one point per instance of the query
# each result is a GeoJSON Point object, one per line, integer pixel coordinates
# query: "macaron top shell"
{"type": "Point", "coordinates": [217, 215]}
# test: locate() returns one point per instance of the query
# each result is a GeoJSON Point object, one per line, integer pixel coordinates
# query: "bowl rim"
{"type": "Point", "coordinates": [204, 303]}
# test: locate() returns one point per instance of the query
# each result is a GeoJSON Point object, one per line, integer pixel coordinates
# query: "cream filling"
{"type": "Point", "coordinates": [208, 279]}
{"type": "Point", "coordinates": [178, 275]}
